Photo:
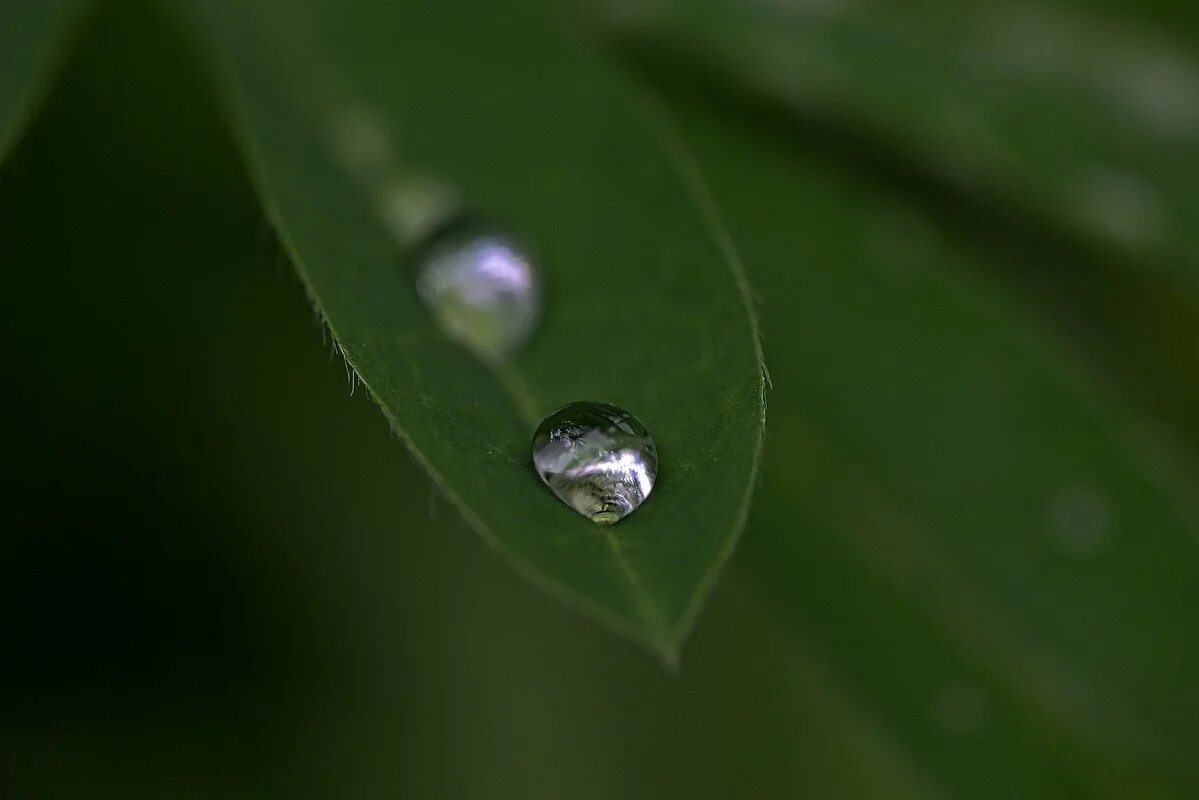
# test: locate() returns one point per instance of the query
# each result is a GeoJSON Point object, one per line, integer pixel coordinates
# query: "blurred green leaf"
{"type": "Point", "coordinates": [1084, 118]}
{"type": "Point", "coordinates": [312, 660]}
{"type": "Point", "coordinates": [643, 307]}
{"type": "Point", "coordinates": [31, 40]}
{"type": "Point", "coordinates": [988, 548]}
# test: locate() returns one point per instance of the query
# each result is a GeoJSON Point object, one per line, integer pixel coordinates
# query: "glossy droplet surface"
{"type": "Point", "coordinates": [482, 290]}
{"type": "Point", "coordinates": [599, 459]}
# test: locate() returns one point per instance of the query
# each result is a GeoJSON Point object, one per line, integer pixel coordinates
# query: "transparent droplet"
{"type": "Point", "coordinates": [481, 288]}
{"type": "Point", "coordinates": [599, 459]}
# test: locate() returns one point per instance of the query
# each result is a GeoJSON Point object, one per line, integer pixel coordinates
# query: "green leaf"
{"type": "Point", "coordinates": [341, 109]}
{"type": "Point", "coordinates": [31, 39]}
{"type": "Point", "coordinates": [979, 537]}
{"type": "Point", "coordinates": [398, 651]}
{"type": "Point", "coordinates": [1087, 120]}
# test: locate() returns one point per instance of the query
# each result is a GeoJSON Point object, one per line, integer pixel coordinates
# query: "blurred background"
{"type": "Point", "coordinates": [220, 575]}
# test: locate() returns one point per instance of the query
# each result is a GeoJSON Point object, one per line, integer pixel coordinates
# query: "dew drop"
{"type": "Point", "coordinates": [414, 207]}
{"type": "Point", "coordinates": [481, 288]}
{"type": "Point", "coordinates": [597, 458]}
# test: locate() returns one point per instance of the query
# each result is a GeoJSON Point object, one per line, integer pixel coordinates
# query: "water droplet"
{"type": "Point", "coordinates": [599, 459]}
{"type": "Point", "coordinates": [415, 206]}
{"type": "Point", "coordinates": [361, 141]}
{"type": "Point", "coordinates": [481, 288]}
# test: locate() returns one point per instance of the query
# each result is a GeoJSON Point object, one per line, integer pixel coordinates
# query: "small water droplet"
{"type": "Point", "coordinates": [481, 288]}
{"type": "Point", "coordinates": [599, 459]}
{"type": "Point", "coordinates": [415, 206]}
{"type": "Point", "coordinates": [361, 141]}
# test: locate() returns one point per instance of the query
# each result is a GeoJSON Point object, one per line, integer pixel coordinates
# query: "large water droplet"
{"type": "Point", "coordinates": [482, 289]}
{"type": "Point", "coordinates": [599, 459]}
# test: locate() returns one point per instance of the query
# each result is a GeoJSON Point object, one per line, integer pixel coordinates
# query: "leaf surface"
{"type": "Point", "coordinates": [981, 539]}
{"type": "Point", "coordinates": [348, 110]}
{"type": "Point", "coordinates": [31, 37]}
{"type": "Point", "coordinates": [1083, 118]}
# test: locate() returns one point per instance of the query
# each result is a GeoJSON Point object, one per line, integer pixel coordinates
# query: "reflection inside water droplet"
{"type": "Point", "coordinates": [598, 459]}
{"type": "Point", "coordinates": [481, 288]}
